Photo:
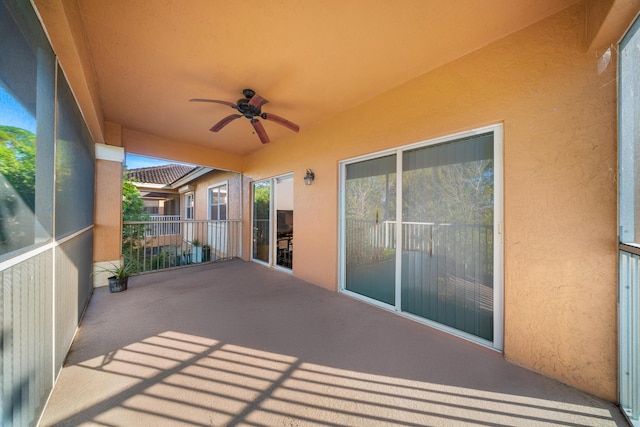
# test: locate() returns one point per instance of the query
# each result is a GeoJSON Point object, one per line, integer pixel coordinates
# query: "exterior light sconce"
{"type": "Point", "coordinates": [309, 177]}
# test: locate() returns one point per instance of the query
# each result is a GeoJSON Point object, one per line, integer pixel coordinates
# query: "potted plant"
{"type": "Point", "coordinates": [206, 253]}
{"type": "Point", "coordinates": [119, 276]}
{"type": "Point", "coordinates": [196, 255]}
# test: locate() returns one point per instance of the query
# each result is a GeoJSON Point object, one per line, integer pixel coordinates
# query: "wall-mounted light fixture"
{"type": "Point", "coordinates": [309, 177]}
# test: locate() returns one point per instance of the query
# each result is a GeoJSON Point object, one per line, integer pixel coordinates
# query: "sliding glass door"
{"type": "Point", "coordinates": [443, 264]}
{"type": "Point", "coordinates": [370, 213]}
{"type": "Point", "coordinates": [273, 222]}
{"type": "Point", "coordinates": [261, 220]}
{"type": "Point", "coordinates": [283, 218]}
{"type": "Point", "coordinates": [447, 230]}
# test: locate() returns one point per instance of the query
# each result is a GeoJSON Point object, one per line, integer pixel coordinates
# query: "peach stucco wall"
{"type": "Point", "coordinates": [108, 221]}
{"type": "Point", "coordinates": [154, 146]}
{"type": "Point", "coordinates": [558, 107]}
{"type": "Point", "coordinates": [201, 195]}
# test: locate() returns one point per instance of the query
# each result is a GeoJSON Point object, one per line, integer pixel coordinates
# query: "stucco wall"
{"type": "Point", "coordinates": [107, 233]}
{"type": "Point", "coordinates": [232, 179]}
{"type": "Point", "coordinates": [558, 107]}
{"type": "Point", "coordinates": [154, 146]}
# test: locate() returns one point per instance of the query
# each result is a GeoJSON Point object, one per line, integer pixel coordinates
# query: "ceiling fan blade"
{"type": "Point", "coordinates": [215, 101]}
{"type": "Point", "coordinates": [257, 101]}
{"type": "Point", "coordinates": [284, 122]}
{"type": "Point", "coordinates": [262, 134]}
{"type": "Point", "coordinates": [222, 123]}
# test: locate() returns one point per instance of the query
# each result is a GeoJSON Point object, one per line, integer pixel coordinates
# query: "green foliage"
{"type": "Point", "coordinates": [261, 196]}
{"type": "Point", "coordinates": [372, 198]}
{"type": "Point", "coordinates": [17, 188]}
{"type": "Point", "coordinates": [125, 269]}
{"type": "Point", "coordinates": [133, 235]}
{"type": "Point", "coordinates": [459, 193]}
{"type": "Point", "coordinates": [18, 161]}
{"type": "Point", "coordinates": [261, 210]}
{"type": "Point", "coordinates": [132, 203]}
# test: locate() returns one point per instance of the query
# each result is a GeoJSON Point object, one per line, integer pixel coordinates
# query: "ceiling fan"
{"type": "Point", "coordinates": [250, 107]}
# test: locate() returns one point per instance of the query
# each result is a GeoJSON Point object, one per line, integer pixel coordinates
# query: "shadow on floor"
{"type": "Point", "coordinates": [236, 343]}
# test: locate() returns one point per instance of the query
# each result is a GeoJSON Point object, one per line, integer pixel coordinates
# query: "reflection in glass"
{"type": "Point", "coordinates": [261, 218]}
{"type": "Point", "coordinates": [283, 206]}
{"type": "Point", "coordinates": [447, 257]}
{"type": "Point", "coordinates": [17, 188]}
{"type": "Point", "coordinates": [27, 69]}
{"type": "Point", "coordinates": [370, 210]}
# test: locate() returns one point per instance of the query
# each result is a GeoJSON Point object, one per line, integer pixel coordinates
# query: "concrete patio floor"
{"type": "Point", "coordinates": [236, 343]}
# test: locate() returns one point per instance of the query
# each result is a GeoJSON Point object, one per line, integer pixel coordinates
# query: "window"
{"type": "Point", "coordinates": [47, 169]}
{"type": "Point", "coordinates": [629, 128]}
{"type": "Point", "coordinates": [188, 205]}
{"type": "Point", "coordinates": [27, 81]}
{"type": "Point", "coordinates": [218, 202]}
{"type": "Point", "coordinates": [629, 206]}
{"type": "Point", "coordinates": [75, 167]}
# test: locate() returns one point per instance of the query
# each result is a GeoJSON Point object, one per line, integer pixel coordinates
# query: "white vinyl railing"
{"type": "Point", "coordinates": [163, 225]}
{"type": "Point", "coordinates": [416, 236]}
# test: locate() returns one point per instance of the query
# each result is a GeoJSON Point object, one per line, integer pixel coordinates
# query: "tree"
{"type": "Point", "coordinates": [133, 234]}
{"type": "Point", "coordinates": [132, 203]}
{"type": "Point", "coordinates": [18, 162]}
{"type": "Point", "coordinates": [17, 188]}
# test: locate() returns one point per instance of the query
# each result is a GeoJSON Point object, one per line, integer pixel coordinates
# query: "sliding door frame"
{"type": "Point", "coordinates": [629, 242]}
{"type": "Point", "coordinates": [498, 234]}
{"type": "Point", "coordinates": [273, 195]}
{"type": "Point", "coordinates": [253, 219]}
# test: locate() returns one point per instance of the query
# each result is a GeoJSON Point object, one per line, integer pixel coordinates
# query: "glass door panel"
{"type": "Point", "coordinates": [370, 228]}
{"type": "Point", "coordinates": [284, 221]}
{"type": "Point", "coordinates": [261, 220]}
{"type": "Point", "coordinates": [447, 226]}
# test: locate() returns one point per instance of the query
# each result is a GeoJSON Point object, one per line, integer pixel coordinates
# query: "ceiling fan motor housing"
{"type": "Point", "coordinates": [247, 110]}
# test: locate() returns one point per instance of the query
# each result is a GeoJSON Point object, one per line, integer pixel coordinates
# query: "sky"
{"type": "Point", "coordinates": [13, 114]}
{"type": "Point", "coordinates": [133, 161]}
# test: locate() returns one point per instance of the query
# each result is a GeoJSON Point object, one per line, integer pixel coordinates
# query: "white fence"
{"type": "Point", "coordinates": [163, 225]}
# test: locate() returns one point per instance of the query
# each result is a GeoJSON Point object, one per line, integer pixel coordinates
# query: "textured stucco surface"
{"type": "Point", "coordinates": [558, 107]}
{"type": "Point", "coordinates": [216, 178]}
{"type": "Point", "coordinates": [107, 232]}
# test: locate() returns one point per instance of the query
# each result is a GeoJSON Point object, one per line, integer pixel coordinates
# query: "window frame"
{"type": "Point", "coordinates": [189, 211]}
{"type": "Point", "coordinates": [628, 232]}
{"type": "Point", "coordinates": [210, 190]}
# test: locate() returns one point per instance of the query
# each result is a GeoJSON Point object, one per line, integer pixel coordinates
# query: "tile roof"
{"type": "Point", "coordinates": [165, 174]}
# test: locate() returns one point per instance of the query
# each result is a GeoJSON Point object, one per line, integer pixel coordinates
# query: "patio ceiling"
{"type": "Point", "coordinates": [312, 60]}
